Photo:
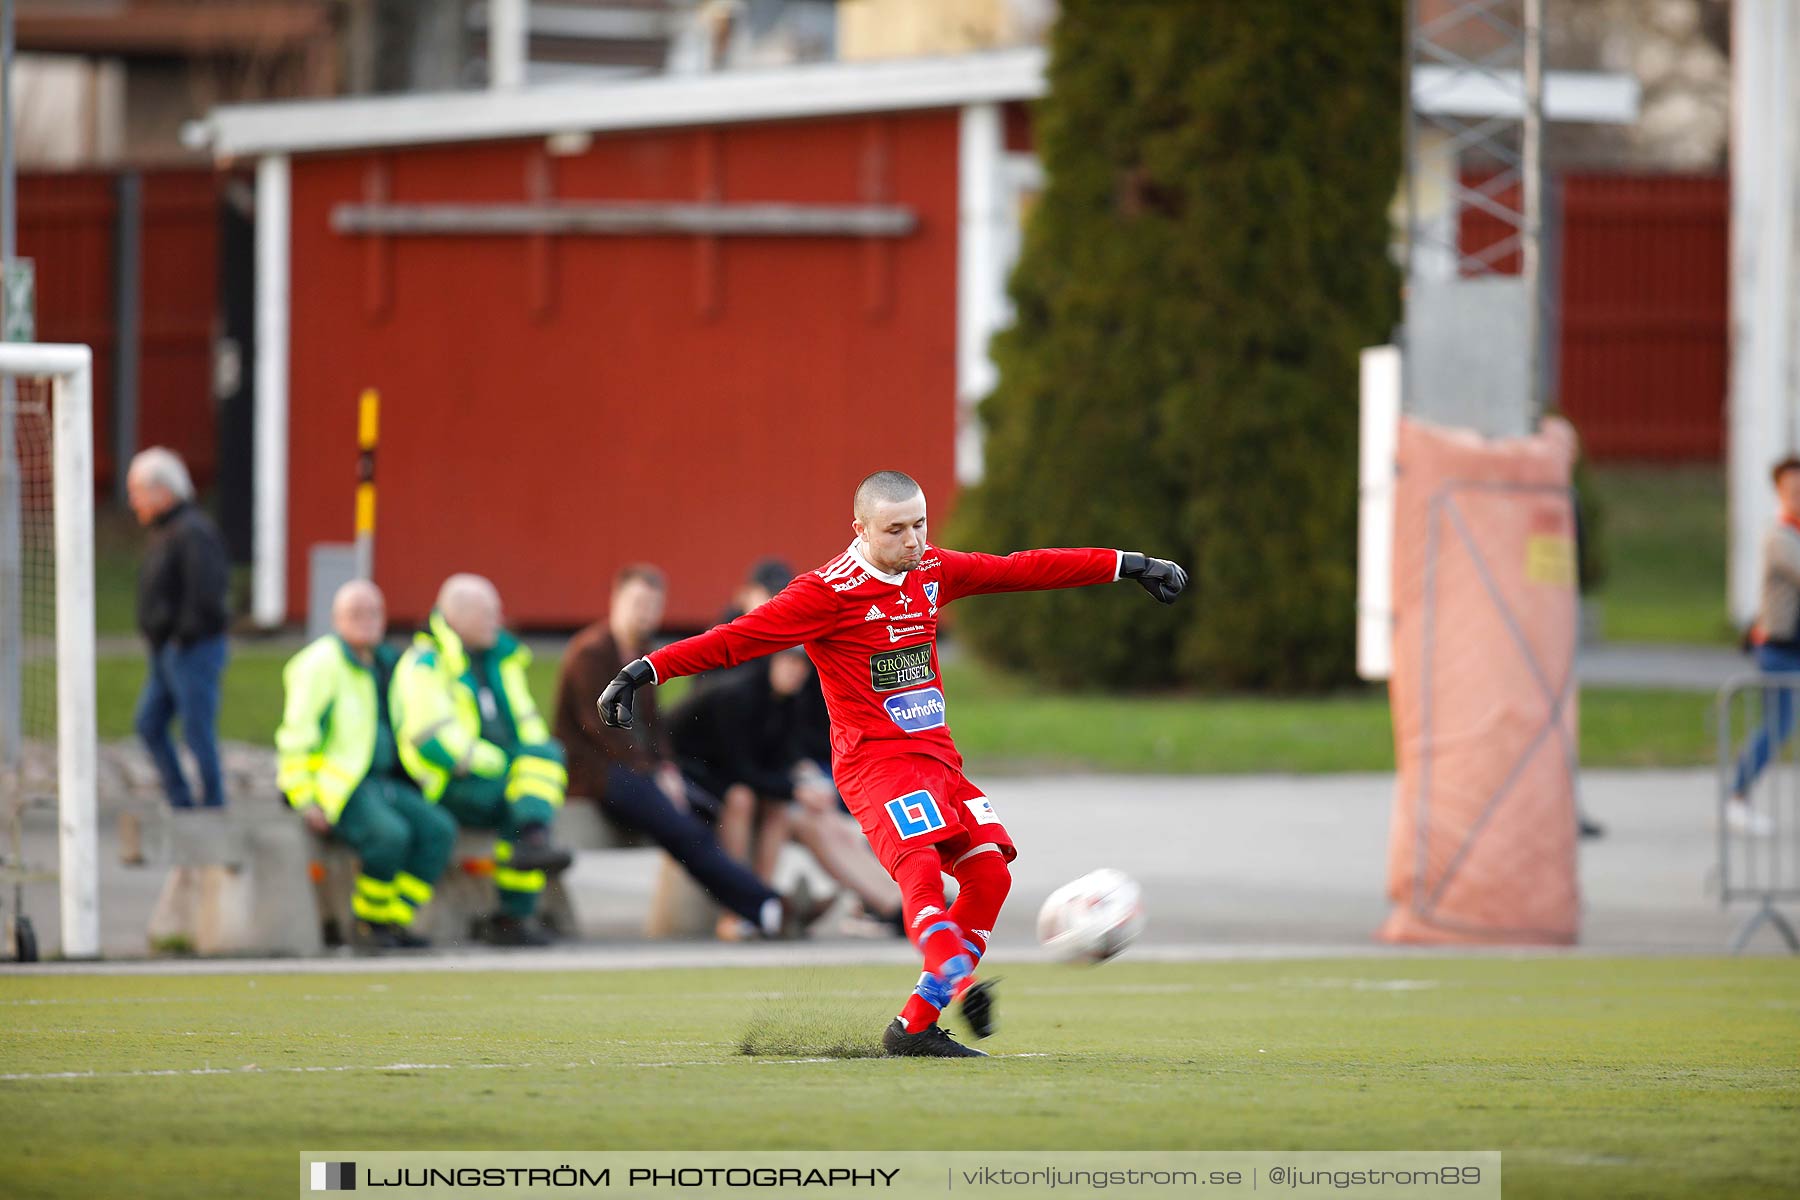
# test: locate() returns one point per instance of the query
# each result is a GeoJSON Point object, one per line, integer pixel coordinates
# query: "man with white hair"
{"type": "Point", "coordinates": [182, 612]}
{"type": "Point", "coordinates": [471, 735]}
{"type": "Point", "coordinates": [339, 767]}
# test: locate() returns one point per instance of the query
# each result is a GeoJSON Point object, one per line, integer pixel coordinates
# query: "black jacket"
{"type": "Point", "coordinates": [183, 580]}
{"type": "Point", "coordinates": [740, 731]}
{"type": "Point", "coordinates": [811, 719]}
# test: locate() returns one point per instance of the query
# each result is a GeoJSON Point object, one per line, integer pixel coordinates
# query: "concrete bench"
{"type": "Point", "coordinates": [251, 879]}
{"type": "Point", "coordinates": [678, 908]}
{"type": "Point", "coordinates": [236, 884]}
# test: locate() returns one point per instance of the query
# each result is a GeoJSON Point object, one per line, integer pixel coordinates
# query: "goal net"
{"type": "Point", "coordinates": [48, 741]}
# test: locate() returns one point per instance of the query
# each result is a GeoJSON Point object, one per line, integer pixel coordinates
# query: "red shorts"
{"type": "Point", "coordinates": [908, 801]}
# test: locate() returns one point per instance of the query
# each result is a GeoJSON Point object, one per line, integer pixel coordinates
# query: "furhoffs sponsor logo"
{"type": "Point", "coordinates": [916, 711]}
{"type": "Point", "coordinates": [334, 1177]}
{"type": "Point", "coordinates": [906, 667]}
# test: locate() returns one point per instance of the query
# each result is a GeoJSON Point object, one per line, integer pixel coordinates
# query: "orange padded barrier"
{"type": "Point", "coordinates": [1483, 689]}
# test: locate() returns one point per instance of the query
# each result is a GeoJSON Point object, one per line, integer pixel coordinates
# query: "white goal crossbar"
{"type": "Point", "coordinates": [70, 370]}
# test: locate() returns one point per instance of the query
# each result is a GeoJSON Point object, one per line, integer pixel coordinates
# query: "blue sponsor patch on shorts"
{"type": "Point", "coordinates": [915, 813]}
{"type": "Point", "coordinates": [916, 711]}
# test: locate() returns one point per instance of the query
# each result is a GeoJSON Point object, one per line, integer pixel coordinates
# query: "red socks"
{"type": "Point", "coordinates": [985, 881]}
{"type": "Point", "coordinates": [937, 937]}
{"type": "Point", "coordinates": [951, 942]}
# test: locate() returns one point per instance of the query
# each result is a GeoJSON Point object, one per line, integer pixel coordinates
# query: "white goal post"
{"type": "Point", "coordinates": [69, 368]}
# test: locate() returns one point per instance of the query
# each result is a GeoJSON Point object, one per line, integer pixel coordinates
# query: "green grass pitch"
{"type": "Point", "coordinates": [1594, 1077]}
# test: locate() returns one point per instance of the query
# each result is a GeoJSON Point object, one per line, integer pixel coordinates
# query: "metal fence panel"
{"type": "Point", "coordinates": [1759, 846]}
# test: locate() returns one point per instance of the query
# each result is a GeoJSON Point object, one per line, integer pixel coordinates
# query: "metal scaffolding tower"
{"type": "Point", "coordinates": [1475, 306]}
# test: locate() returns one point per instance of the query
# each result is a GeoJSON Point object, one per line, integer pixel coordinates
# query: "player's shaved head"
{"type": "Point", "coordinates": [471, 607]}
{"type": "Point", "coordinates": [890, 520]}
{"type": "Point", "coordinates": [883, 487]}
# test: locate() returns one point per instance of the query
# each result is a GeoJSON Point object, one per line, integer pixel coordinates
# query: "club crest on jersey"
{"type": "Point", "coordinates": [917, 711]}
{"type": "Point", "coordinates": [908, 666]}
{"type": "Point", "coordinates": [931, 590]}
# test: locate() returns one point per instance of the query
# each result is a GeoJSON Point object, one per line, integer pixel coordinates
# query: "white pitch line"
{"type": "Point", "coordinates": [254, 1069]}
{"type": "Point", "coordinates": [45, 1000]}
{"type": "Point", "coordinates": [309, 997]}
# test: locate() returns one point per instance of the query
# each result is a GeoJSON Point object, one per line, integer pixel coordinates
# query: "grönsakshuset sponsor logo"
{"type": "Point", "coordinates": [900, 668]}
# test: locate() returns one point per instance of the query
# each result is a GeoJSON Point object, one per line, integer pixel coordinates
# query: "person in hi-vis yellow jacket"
{"type": "Point", "coordinates": [471, 735]}
{"type": "Point", "coordinates": [339, 766]}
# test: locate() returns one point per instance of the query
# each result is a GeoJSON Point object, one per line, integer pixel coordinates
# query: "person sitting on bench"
{"type": "Point", "coordinates": [339, 767]}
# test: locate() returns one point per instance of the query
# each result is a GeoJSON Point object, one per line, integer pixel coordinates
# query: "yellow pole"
{"type": "Point", "coordinates": [368, 421]}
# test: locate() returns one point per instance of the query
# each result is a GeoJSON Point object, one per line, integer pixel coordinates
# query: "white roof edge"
{"type": "Point", "coordinates": [825, 89]}
{"type": "Point", "coordinates": [1602, 97]}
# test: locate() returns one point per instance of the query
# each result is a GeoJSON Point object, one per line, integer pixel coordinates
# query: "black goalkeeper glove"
{"type": "Point", "coordinates": [1158, 576]}
{"type": "Point", "coordinates": [615, 701]}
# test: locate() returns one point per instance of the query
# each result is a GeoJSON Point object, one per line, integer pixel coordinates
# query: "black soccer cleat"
{"type": "Point", "coordinates": [978, 1009]}
{"type": "Point", "coordinates": [929, 1042]}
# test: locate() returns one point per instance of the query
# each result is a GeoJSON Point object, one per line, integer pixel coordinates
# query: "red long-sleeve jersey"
{"type": "Point", "coordinates": [873, 638]}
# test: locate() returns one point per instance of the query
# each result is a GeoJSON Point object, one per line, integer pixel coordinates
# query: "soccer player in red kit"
{"type": "Point", "coordinates": [868, 619]}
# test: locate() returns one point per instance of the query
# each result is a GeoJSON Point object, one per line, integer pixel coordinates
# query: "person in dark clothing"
{"type": "Point", "coordinates": [812, 729]}
{"type": "Point", "coordinates": [631, 774]}
{"type": "Point", "coordinates": [182, 613]}
{"type": "Point", "coordinates": [767, 576]}
{"type": "Point", "coordinates": [732, 740]}
{"type": "Point", "coordinates": [747, 739]}
{"type": "Point", "coordinates": [744, 730]}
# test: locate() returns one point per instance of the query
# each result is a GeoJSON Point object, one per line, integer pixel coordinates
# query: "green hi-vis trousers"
{"type": "Point", "coordinates": [506, 807]}
{"type": "Point", "coordinates": [404, 842]}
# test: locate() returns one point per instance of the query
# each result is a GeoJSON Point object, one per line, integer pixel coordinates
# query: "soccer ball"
{"type": "Point", "coordinates": [1093, 918]}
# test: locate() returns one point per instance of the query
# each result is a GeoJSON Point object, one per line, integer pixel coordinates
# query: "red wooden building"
{"type": "Point", "coordinates": [68, 226]}
{"type": "Point", "coordinates": [670, 320]}
{"type": "Point", "coordinates": [1640, 309]}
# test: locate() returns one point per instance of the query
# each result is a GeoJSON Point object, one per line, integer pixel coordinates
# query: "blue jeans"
{"type": "Point", "coordinates": [183, 681]}
{"type": "Point", "coordinates": [1778, 717]}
